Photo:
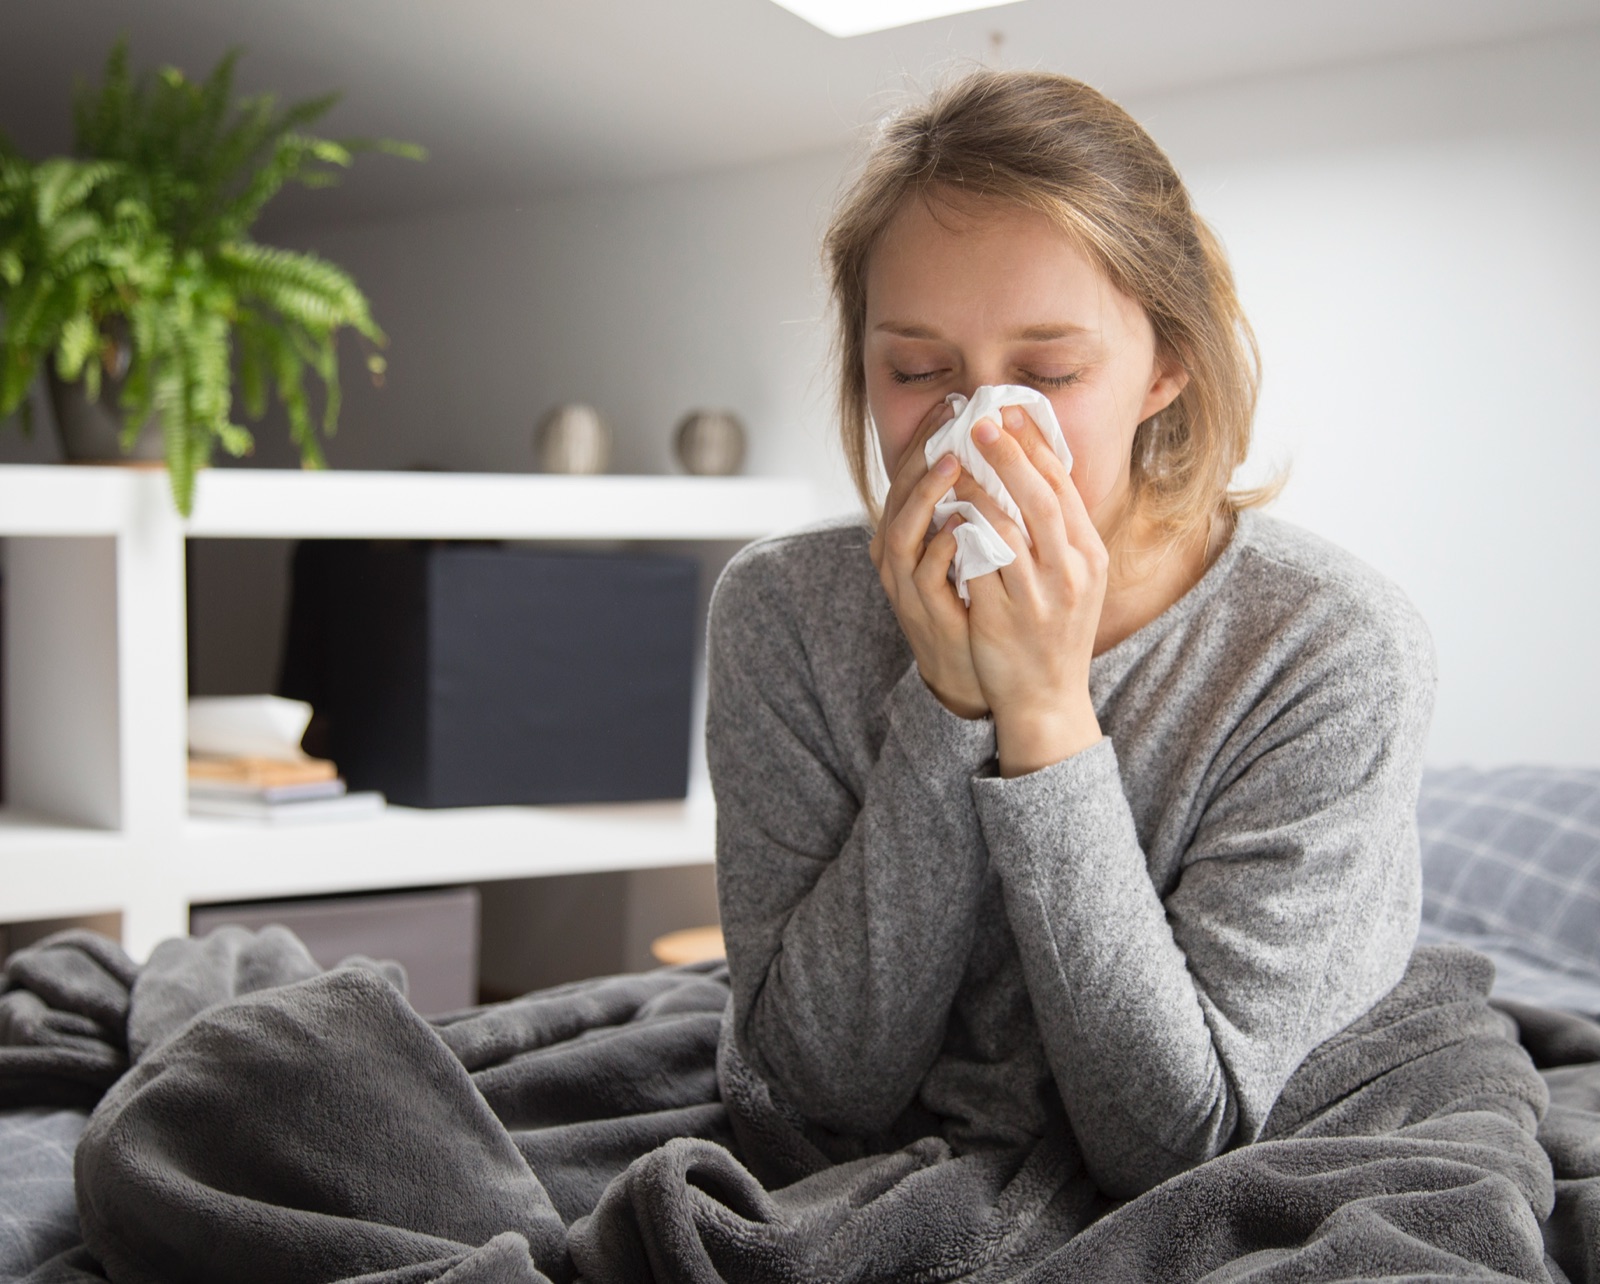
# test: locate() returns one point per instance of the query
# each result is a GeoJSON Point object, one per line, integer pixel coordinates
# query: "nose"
{"type": "Point", "coordinates": [979, 374]}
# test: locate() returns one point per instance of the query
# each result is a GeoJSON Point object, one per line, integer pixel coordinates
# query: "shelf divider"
{"type": "Point", "coordinates": [63, 751]}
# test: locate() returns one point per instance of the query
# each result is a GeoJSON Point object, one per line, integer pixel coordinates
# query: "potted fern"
{"type": "Point", "coordinates": [129, 274]}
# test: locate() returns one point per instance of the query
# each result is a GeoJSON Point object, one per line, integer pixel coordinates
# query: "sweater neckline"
{"type": "Point", "coordinates": [1107, 668]}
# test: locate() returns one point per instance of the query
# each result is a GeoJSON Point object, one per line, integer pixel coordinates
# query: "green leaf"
{"type": "Point", "coordinates": [68, 231]}
{"type": "Point", "coordinates": [235, 440]}
{"type": "Point", "coordinates": [64, 184]}
{"type": "Point", "coordinates": [80, 338]}
{"type": "Point", "coordinates": [17, 370]}
{"type": "Point", "coordinates": [325, 149]}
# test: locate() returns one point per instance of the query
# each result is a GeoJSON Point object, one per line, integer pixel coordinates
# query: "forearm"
{"type": "Point", "coordinates": [845, 958]}
{"type": "Point", "coordinates": [1125, 1028]}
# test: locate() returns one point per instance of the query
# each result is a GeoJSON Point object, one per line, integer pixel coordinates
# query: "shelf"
{"type": "Point", "coordinates": [62, 499]}
{"type": "Point", "coordinates": [226, 860]}
{"type": "Point", "coordinates": [95, 687]}
{"type": "Point", "coordinates": [54, 500]}
{"type": "Point", "coordinates": [29, 833]}
{"type": "Point", "coordinates": [55, 870]}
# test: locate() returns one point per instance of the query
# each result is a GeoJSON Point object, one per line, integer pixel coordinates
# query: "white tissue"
{"type": "Point", "coordinates": [979, 548]}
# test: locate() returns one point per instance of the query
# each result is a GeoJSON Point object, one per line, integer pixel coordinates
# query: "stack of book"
{"type": "Point", "coordinates": [274, 790]}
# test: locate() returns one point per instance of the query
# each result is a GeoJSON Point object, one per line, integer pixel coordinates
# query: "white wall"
{"type": "Point", "coordinates": [1417, 246]}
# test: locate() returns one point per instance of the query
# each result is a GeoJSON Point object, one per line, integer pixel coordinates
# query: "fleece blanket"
{"type": "Point", "coordinates": [257, 1119]}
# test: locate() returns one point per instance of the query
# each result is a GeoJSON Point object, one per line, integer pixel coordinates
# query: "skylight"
{"type": "Point", "coordinates": [857, 17]}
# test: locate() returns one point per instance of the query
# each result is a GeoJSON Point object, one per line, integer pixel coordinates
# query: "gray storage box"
{"type": "Point", "coordinates": [432, 934]}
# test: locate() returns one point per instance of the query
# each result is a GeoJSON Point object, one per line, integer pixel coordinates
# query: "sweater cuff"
{"type": "Point", "coordinates": [1075, 804]}
{"type": "Point", "coordinates": [943, 742]}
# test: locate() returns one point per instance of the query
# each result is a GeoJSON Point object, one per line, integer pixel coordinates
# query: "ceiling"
{"type": "Point", "coordinates": [514, 97]}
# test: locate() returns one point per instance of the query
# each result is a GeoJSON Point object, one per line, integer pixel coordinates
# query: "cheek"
{"type": "Point", "coordinates": [1101, 444]}
{"type": "Point", "coordinates": [897, 411]}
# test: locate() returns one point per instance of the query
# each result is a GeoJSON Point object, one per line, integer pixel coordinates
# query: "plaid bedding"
{"type": "Point", "coordinates": [38, 1217]}
{"type": "Point", "coordinates": [1511, 867]}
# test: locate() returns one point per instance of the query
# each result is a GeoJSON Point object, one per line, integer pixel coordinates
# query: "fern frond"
{"type": "Point", "coordinates": [17, 369]}
{"type": "Point", "coordinates": [387, 147]}
{"type": "Point", "coordinates": [69, 231]}
{"type": "Point", "coordinates": [80, 339]}
{"type": "Point", "coordinates": [301, 286]}
{"type": "Point", "coordinates": [236, 440]}
{"type": "Point", "coordinates": [101, 118]}
{"type": "Point", "coordinates": [62, 185]}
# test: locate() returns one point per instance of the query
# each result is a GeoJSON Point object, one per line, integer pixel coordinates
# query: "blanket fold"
{"type": "Point", "coordinates": [275, 1123]}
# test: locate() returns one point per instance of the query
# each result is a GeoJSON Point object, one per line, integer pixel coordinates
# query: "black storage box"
{"type": "Point", "coordinates": [450, 675]}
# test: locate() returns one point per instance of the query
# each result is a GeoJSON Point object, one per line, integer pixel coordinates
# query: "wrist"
{"type": "Point", "coordinates": [1028, 741]}
{"type": "Point", "coordinates": [969, 707]}
{"type": "Point", "coordinates": [971, 710]}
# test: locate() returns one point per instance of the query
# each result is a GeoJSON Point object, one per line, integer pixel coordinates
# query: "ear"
{"type": "Point", "coordinates": [1167, 380]}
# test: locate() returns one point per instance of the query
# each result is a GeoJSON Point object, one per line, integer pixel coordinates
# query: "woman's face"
{"type": "Point", "coordinates": [964, 295]}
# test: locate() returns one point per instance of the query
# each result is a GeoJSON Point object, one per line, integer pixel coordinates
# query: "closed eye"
{"type": "Point", "coordinates": [1052, 381]}
{"type": "Point", "coordinates": [901, 376]}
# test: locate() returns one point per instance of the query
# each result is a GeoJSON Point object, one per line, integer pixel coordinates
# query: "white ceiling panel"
{"type": "Point", "coordinates": [516, 97]}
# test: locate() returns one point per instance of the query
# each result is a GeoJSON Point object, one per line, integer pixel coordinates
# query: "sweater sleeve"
{"type": "Point", "coordinates": [847, 908]}
{"type": "Point", "coordinates": [1172, 1022]}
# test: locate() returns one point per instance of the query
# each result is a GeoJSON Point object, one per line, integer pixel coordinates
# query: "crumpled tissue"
{"type": "Point", "coordinates": [979, 547]}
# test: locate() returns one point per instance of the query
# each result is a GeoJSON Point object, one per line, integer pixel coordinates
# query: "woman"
{"type": "Point", "coordinates": [1108, 852]}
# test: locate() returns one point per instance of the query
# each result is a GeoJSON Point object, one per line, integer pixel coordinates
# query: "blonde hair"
{"type": "Point", "coordinates": [1048, 143]}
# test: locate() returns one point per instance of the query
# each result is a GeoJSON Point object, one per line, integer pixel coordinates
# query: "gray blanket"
{"type": "Point", "coordinates": [260, 1120]}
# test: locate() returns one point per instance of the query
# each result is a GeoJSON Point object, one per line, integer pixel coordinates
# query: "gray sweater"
{"type": "Point", "coordinates": [1135, 946]}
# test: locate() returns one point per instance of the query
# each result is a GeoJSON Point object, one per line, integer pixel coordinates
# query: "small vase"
{"type": "Point", "coordinates": [710, 443]}
{"type": "Point", "coordinates": [572, 438]}
{"type": "Point", "coordinates": [91, 431]}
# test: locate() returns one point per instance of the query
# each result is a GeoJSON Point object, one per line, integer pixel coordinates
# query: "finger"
{"type": "Point", "coordinates": [984, 589]}
{"type": "Point", "coordinates": [908, 532]}
{"type": "Point", "coordinates": [1024, 428]}
{"type": "Point", "coordinates": [939, 414]}
{"type": "Point", "coordinates": [1005, 525]}
{"type": "Point", "coordinates": [1034, 496]}
{"type": "Point", "coordinates": [932, 576]}
{"type": "Point", "coordinates": [913, 459]}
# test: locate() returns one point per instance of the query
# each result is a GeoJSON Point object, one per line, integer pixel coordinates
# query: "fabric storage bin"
{"type": "Point", "coordinates": [452, 675]}
{"type": "Point", "coordinates": [433, 934]}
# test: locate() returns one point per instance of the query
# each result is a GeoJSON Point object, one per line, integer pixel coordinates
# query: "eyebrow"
{"type": "Point", "coordinates": [1029, 334]}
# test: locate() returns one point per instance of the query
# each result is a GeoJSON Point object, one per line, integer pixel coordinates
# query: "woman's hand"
{"type": "Point", "coordinates": [1032, 624]}
{"type": "Point", "coordinates": [915, 573]}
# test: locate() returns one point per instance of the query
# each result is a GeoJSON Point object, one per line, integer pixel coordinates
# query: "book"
{"type": "Point", "coordinates": [346, 806]}
{"type": "Point", "coordinates": [204, 788]}
{"type": "Point", "coordinates": [259, 773]}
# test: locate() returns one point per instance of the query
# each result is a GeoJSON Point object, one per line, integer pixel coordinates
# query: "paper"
{"type": "Point", "coordinates": [979, 547]}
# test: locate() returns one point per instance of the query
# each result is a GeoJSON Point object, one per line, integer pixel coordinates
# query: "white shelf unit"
{"type": "Point", "coordinates": [95, 687]}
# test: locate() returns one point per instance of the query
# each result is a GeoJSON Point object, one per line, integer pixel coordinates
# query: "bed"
{"type": "Point", "coordinates": [1422, 1144]}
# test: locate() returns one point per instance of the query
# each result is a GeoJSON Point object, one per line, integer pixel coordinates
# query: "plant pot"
{"type": "Point", "coordinates": [91, 431]}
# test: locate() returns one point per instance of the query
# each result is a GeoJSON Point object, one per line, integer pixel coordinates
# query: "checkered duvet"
{"type": "Point", "coordinates": [1511, 867]}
